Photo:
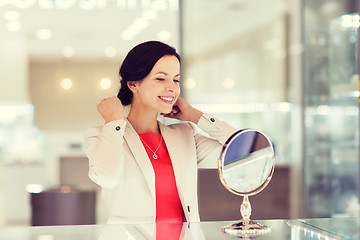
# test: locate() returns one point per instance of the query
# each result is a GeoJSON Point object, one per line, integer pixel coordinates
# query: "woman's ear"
{"type": "Point", "coordinates": [132, 85]}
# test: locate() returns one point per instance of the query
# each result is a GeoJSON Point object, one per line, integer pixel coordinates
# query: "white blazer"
{"type": "Point", "coordinates": [118, 162]}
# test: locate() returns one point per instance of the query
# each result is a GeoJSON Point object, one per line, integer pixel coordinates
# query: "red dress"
{"type": "Point", "coordinates": [168, 204]}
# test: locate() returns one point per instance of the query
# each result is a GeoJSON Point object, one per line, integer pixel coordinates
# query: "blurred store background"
{"type": "Point", "coordinates": [286, 67]}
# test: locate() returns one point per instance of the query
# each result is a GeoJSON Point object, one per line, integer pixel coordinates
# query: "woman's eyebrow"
{"type": "Point", "coordinates": [164, 73]}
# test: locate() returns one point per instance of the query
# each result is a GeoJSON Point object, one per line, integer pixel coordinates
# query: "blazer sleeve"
{"type": "Point", "coordinates": [209, 148]}
{"type": "Point", "coordinates": [104, 149]}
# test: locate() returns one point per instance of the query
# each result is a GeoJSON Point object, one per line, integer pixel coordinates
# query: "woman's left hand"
{"type": "Point", "coordinates": [183, 111]}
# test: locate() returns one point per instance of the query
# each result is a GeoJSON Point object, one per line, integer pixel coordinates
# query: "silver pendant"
{"type": "Point", "coordinates": [154, 156]}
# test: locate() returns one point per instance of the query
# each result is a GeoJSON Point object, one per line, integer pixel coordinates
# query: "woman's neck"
{"type": "Point", "coordinates": [143, 121]}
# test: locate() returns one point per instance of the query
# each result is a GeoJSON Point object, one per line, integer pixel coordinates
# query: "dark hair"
{"type": "Point", "coordinates": [138, 63]}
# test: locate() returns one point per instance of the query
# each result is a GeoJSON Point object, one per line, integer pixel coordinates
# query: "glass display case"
{"type": "Point", "coordinates": [331, 110]}
{"type": "Point", "coordinates": [343, 114]}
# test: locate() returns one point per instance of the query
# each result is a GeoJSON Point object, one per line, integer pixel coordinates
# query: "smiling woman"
{"type": "Point", "coordinates": [148, 170]}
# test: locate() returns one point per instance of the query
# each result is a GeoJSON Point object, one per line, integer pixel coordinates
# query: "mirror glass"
{"type": "Point", "coordinates": [246, 165]}
{"type": "Point", "coordinates": [247, 161]}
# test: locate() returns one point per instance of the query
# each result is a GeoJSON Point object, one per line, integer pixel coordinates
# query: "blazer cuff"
{"type": "Point", "coordinates": [207, 121]}
{"type": "Point", "coordinates": [215, 128]}
{"type": "Point", "coordinates": [115, 127]}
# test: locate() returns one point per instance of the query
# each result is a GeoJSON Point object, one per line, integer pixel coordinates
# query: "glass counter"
{"type": "Point", "coordinates": [347, 228]}
{"type": "Point", "coordinates": [343, 228]}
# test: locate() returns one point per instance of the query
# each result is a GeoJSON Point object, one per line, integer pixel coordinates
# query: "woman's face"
{"type": "Point", "coordinates": [160, 89]}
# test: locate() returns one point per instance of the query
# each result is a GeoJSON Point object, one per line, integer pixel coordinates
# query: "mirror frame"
{"type": "Point", "coordinates": [221, 165]}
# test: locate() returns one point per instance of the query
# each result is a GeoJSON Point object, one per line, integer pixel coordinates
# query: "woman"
{"type": "Point", "coordinates": [148, 170]}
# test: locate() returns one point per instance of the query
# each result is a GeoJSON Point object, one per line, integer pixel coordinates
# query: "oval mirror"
{"type": "Point", "coordinates": [246, 165]}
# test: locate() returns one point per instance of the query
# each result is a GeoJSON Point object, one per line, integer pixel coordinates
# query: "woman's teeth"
{"type": "Point", "coordinates": [168, 99]}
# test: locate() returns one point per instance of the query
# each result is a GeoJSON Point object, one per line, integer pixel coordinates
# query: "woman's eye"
{"type": "Point", "coordinates": [160, 79]}
{"type": "Point", "coordinates": [176, 80]}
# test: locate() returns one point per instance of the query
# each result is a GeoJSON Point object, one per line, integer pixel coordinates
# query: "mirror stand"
{"type": "Point", "coordinates": [246, 165]}
{"type": "Point", "coordinates": [246, 228]}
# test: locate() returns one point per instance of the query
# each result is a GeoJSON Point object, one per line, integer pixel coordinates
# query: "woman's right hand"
{"type": "Point", "coordinates": [110, 109]}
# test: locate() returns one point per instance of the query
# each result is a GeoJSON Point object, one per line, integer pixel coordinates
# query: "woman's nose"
{"type": "Point", "coordinates": [171, 87]}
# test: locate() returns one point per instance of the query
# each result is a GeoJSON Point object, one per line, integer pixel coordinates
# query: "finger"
{"type": "Point", "coordinates": [99, 108]}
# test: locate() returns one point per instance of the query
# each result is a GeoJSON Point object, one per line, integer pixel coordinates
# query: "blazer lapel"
{"type": "Point", "coordinates": [140, 155]}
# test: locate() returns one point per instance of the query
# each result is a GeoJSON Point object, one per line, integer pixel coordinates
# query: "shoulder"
{"type": "Point", "coordinates": [183, 128]}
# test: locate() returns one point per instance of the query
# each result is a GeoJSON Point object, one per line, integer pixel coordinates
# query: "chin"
{"type": "Point", "coordinates": [167, 111]}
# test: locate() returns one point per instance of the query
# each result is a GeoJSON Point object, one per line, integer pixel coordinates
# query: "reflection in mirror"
{"type": "Point", "coordinates": [253, 152]}
{"type": "Point", "coordinates": [246, 166]}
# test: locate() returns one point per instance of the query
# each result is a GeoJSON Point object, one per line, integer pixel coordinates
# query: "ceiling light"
{"type": "Point", "coordinates": [13, 26]}
{"type": "Point", "coordinates": [64, 4]}
{"type": "Point", "coordinates": [68, 52]}
{"type": "Point", "coordinates": [127, 35]}
{"type": "Point", "coordinates": [133, 29]}
{"type": "Point", "coordinates": [190, 83]}
{"type": "Point", "coordinates": [164, 35]}
{"type": "Point", "coordinates": [105, 83]}
{"type": "Point", "coordinates": [284, 107]}
{"type": "Point", "coordinates": [323, 110]}
{"type": "Point", "coordinates": [146, 4]}
{"type": "Point", "coordinates": [130, 32]}
{"type": "Point", "coordinates": [22, 4]}
{"type": "Point", "coordinates": [46, 4]}
{"type": "Point", "coordinates": [173, 5]}
{"type": "Point", "coordinates": [87, 5]}
{"type": "Point", "coordinates": [346, 18]}
{"type": "Point", "coordinates": [351, 111]}
{"type": "Point", "coordinates": [131, 4]}
{"type": "Point", "coordinates": [159, 5]}
{"type": "Point", "coordinates": [350, 21]}
{"type": "Point", "coordinates": [66, 83]}
{"type": "Point", "coordinates": [228, 83]}
{"type": "Point", "coordinates": [11, 16]}
{"type": "Point", "coordinates": [346, 23]}
{"type": "Point", "coordinates": [44, 34]}
{"type": "Point", "coordinates": [141, 22]}
{"type": "Point", "coordinates": [110, 52]}
{"type": "Point", "coordinates": [34, 188]}
{"type": "Point", "coordinates": [149, 14]}
{"type": "Point", "coordinates": [356, 18]}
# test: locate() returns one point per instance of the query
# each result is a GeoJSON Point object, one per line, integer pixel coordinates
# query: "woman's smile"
{"type": "Point", "coordinates": [167, 99]}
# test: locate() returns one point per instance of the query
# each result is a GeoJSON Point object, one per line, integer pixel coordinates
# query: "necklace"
{"type": "Point", "coordinates": [154, 152]}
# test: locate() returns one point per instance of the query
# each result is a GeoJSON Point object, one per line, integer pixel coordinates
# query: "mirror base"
{"type": "Point", "coordinates": [246, 229]}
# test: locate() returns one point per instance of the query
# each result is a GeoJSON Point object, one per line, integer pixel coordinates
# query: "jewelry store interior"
{"type": "Point", "coordinates": [288, 69]}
